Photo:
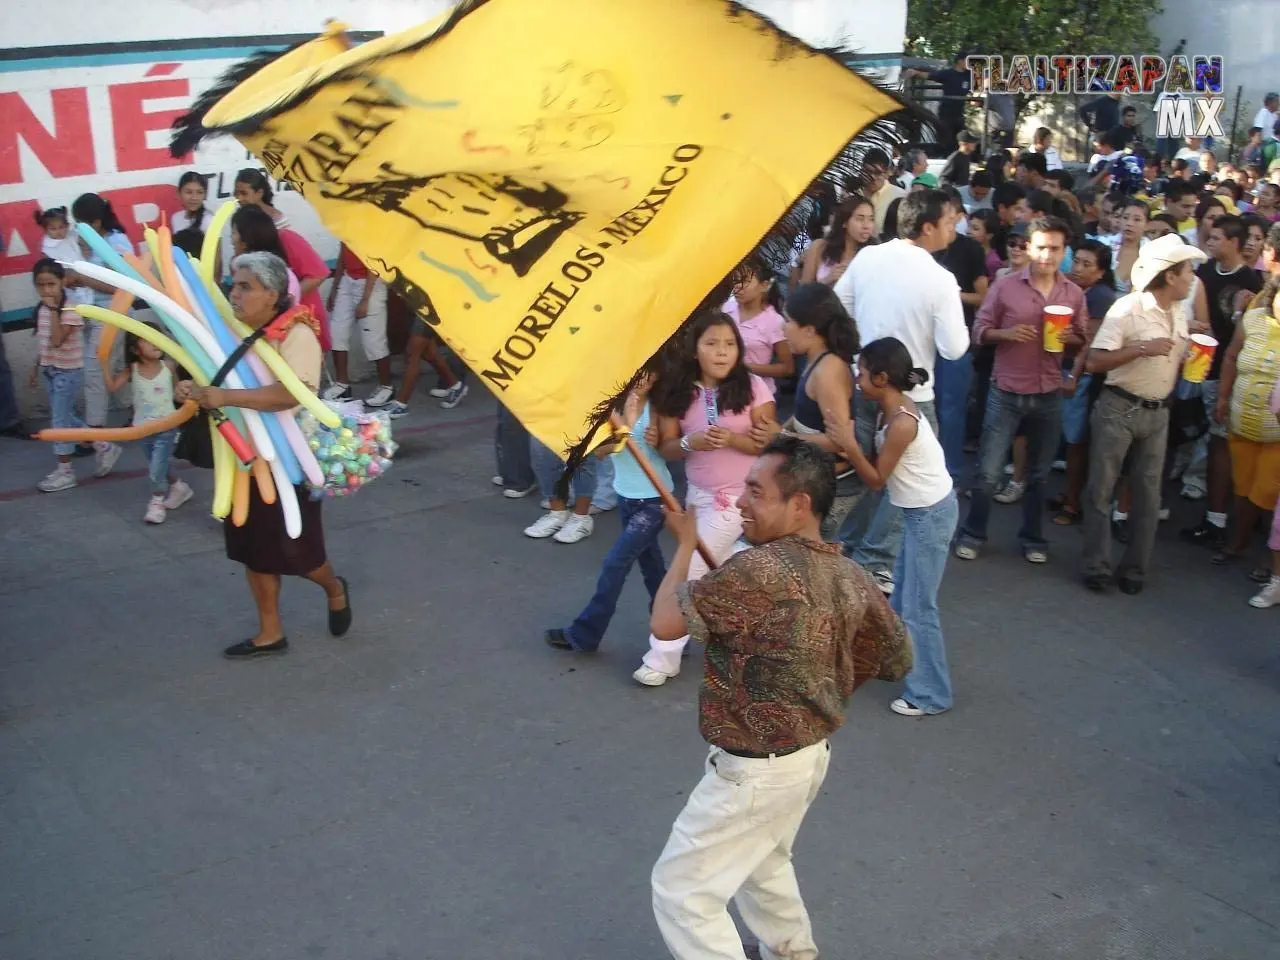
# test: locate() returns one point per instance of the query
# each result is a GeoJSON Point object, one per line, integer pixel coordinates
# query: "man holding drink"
{"type": "Point", "coordinates": [1031, 317]}
{"type": "Point", "coordinates": [1140, 349]}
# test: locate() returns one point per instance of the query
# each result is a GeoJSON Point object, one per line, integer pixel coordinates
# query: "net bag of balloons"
{"type": "Point", "coordinates": [358, 450]}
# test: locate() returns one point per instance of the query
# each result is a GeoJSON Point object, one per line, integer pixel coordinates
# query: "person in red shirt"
{"type": "Point", "coordinates": [358, 296]}
{"type": "Point", "coordinates": [1026, 386]}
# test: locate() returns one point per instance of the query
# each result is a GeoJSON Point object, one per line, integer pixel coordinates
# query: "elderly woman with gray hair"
{"type": "Point", "coordinates": [259, 295]}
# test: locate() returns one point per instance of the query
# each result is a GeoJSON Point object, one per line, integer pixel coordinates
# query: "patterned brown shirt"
{"type": "Point", "coordinates": [792, 628]}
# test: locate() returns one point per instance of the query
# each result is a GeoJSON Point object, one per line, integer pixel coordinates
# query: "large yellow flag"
{"type": "Point", "coordinates": [555, 184]}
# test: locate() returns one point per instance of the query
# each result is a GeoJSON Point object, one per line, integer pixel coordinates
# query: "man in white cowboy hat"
{"type": "Point", "coordinates": [1139, 349]}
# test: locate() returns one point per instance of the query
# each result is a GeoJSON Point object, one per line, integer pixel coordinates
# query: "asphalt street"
{"type": "Point", "coordinates": [440, 784]}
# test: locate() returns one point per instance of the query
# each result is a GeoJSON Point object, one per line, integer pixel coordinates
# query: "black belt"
{"type": "Point", "coordinates": [1140, 401]}
{"type": "Point", "coordinates": [751, 755]}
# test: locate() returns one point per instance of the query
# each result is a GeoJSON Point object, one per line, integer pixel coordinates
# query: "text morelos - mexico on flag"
{"type": "Point", "coordinates": [555, 185]}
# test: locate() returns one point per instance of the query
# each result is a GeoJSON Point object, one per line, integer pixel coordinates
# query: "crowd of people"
{"type": "Point", "coordinates": [940, 346]}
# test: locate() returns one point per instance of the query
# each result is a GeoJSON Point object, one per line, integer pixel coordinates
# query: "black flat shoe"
{"type": "Point", "coordinates": [557, 638]}
{"type": "Point", "coordinates": [1130, 587]}
{"type": "Point", "coordinates": [17, 432]}
{"type": "Point", "coordinates": [1098, 582]}
{"type": "Point", "coordinates": [340, 620]}
{"type": "Point", "coordinates": [248, 650]}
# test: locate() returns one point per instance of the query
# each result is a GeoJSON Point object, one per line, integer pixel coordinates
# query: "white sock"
{"type": "Point", "coordinates": [1119, 515]}
{"type": "Point", "coordinates": [1219, 520]}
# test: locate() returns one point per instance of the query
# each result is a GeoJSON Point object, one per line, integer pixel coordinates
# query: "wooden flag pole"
{"type": "Point", "coordinates": [668, 498]}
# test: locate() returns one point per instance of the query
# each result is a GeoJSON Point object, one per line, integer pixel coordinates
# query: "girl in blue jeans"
{"type": "Point", "coordinates": [642, 521]}
{"type": "Point", "coordinates": [152, 377]}
{"type": "Point", "coordinates": [911, 464]}
{"type": "Point", "coordinates": [60, 364]}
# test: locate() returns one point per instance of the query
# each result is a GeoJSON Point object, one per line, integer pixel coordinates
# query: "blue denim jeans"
{"type": "Point", "coordinates": [1040, 417]}
{"type": "Point", "coordinates": [926, 541]}
{"type": "Point", "coordinates": [874, 528]}
{"type": "Point", "coordinates": [606, 497]}
{"type": "Point", "coordinates": [548, 468]}
{"type": "Point", "coordinates": [511, 448]}
{"type": "Point", "coordinates": [642, 523]}
{"type": "Point", "coordinates": [8, 399]}
{"type": "Point", "coordinates": [159, 450]}
{"type": "Point", "coordinates": [954, 378]}
{"type": "Point", "coordinates": [64, 390]}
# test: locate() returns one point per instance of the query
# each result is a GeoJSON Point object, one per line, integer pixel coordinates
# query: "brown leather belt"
{"type": "Point", "coordinates": [1140, 401]}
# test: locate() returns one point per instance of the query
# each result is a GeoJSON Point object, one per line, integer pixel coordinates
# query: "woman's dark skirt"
{"type": "Point", "coordinates": [262, 544]}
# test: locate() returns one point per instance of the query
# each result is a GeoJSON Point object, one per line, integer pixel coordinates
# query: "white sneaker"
{"type": "Point", "coordinates": [440, 392]}
{"type": "Point", "coordinates": [58, 480]}
{"type": "Point", "coordinates": [576, 528]}
{"type": "Point", "coordinates": [1193, 493]}
{"type": "Point", "coordinates": [497, 480]}
{"type": "Point", "coordinates": [179, 493]}
{"type": "Point", "coordinates": [454, 396]}
{"type": "Point", "coordinates": [904, 708]}
{"type": "Point", "coordinates": [337, 391]}
{"type": "Point", "coordinates": [155, 510]}
{"type": "Point", "coordinates": [1163, 514]}
{"type": "Point", "coordinates": [104, 460]}
{"type": "Point", "coordinates": [650, 677]}
{"type": "Point", "coordinates": [1012, 492]}
{"type": "Point", "coordinates": [884, 580]}
{"type": "Point", "coordinates": [395, 409]}
{"type": "Point", "coordinates": [1059, 466]}
{"type": "Point", "coordinates": [596, 509]}
{"type": "Point", "coordinates": [380, 397]}
{"type": "Point", "coordinates": [546, 525]}
{"type": "Point", "coordinates": [512, 493]}
{"type": "Point", "coordinates": [545, 503]}
{"type": "Point", "coordinates": [1268, 596]}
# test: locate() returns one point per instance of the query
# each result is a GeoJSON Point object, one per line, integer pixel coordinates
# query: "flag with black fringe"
{"type": "Point", "coordinates": [555, 186]}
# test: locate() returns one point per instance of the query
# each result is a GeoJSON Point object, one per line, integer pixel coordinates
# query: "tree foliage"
{"type": "Point", "coordinates": [939, 29]}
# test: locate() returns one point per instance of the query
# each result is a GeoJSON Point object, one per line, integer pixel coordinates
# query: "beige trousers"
{"type": "Point", "coordinates": [733, 840]}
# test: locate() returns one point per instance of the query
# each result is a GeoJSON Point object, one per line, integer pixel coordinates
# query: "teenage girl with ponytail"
{"type": "Point", "coordinates": [911, 464]}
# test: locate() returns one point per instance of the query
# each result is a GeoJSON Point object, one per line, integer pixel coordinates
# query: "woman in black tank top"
{"type": "Point", "coordinates": [818, 327]}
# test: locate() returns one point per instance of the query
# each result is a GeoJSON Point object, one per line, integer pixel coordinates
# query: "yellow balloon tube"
{"type": "Point", "coordinates": [224, 468]}
{"type": "Point", "coordinates": [240, 498]}
{"type": "Point", "coordinates": [148, 333]}
{"type": "Point", "coordinates": [212, 239]}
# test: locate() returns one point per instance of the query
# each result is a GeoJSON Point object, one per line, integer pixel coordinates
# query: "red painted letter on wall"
{"type": "Point", "coordinates": [130, 122]}
{"type": "Point", "coordinates": [66, 151]}
{"type": "Point", "coordinates": [18, 220]}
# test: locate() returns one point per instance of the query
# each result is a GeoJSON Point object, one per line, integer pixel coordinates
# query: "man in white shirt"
{"type": "Point", "coordinates": [1266, 117]}
{"type": "Point", "coordinates": [916, 162]}
{"type": "Point", "coordinates": [897, 289]}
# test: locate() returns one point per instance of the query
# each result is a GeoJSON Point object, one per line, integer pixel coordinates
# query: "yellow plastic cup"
{"type": "Point", "coordinates": [1195, 369]}
{"type": "Point", "coordinates": [1056, 321]}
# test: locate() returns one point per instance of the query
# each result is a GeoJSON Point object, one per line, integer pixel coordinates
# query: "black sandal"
{"type": "Point", "coordinates": [248, 650]}
{"type": "Point", "coordinates": [1067, 517]}
{"type": "Point", "coordinates": [340, 620]}
{"type": "Point", "coordinates": [1224, 557]}
{"type": "Point", "coordinates": [1260, 575]}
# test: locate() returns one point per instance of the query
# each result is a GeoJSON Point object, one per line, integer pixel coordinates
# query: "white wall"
{"type": "Point", "coordinates": [1246, 33]}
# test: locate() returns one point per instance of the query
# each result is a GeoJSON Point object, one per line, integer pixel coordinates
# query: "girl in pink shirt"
{"type": "Point", "coordinates": [756, 307]}
{"type": "Point", "coordinates": [717, 416]}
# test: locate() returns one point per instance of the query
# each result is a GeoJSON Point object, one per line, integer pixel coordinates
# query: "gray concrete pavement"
{"type": "Point", "coordinates": [440, 784]}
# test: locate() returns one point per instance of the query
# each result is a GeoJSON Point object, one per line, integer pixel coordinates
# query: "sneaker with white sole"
{"type": "Point", "coordinates": [440, 392]}
{"type": "Point", "coordinates": [515, 493]}
{"type": "Point", "coordinates": [155, 510]}
{"type": "Point", "coordinates": [179, 493]}
{"type": "Point", "coordinates": [395, 409]}
{"type": "Point", "coordinates": [497, 480]}
{"type": "Point", "coordinates": [649, 677]}
{"type": "Point", "coordinates": [1012, 492]}
{"type": "Point", "coordinates": [884, 580]}
{"type": "Point", "coordinates": [547, 525]}
{"type": "Point", "coordinates": [576, 528]}
{"type": "Point", "coordinates": [1268, 596]}
{"type": "Point", "coordinates": [337, 391]}
{"type": "Point", "coordinates": [380, 397]}
{"type": "Point", "coordinates": [105, 459]}
{"type": "Point", "coordinates": [905, 708]}
{"type": "Point", "coordinates": [454, 396]}
{"type": "Point", "coordinates": [60, 479]}
{"type": "Point", "coordinates": [966, 551]}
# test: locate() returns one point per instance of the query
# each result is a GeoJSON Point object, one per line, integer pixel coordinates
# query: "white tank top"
{"type": "Point", "coordinates": [920, 478]}
{"type": "Point", "coordinates": [152, 399]}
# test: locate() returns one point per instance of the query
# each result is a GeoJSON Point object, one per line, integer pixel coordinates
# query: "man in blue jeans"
{"type": "Point", "coordinates": [1026, 388]}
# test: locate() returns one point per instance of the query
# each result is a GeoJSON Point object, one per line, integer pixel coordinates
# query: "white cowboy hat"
{"type": "Point", "coordinates": [1159, 255]}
